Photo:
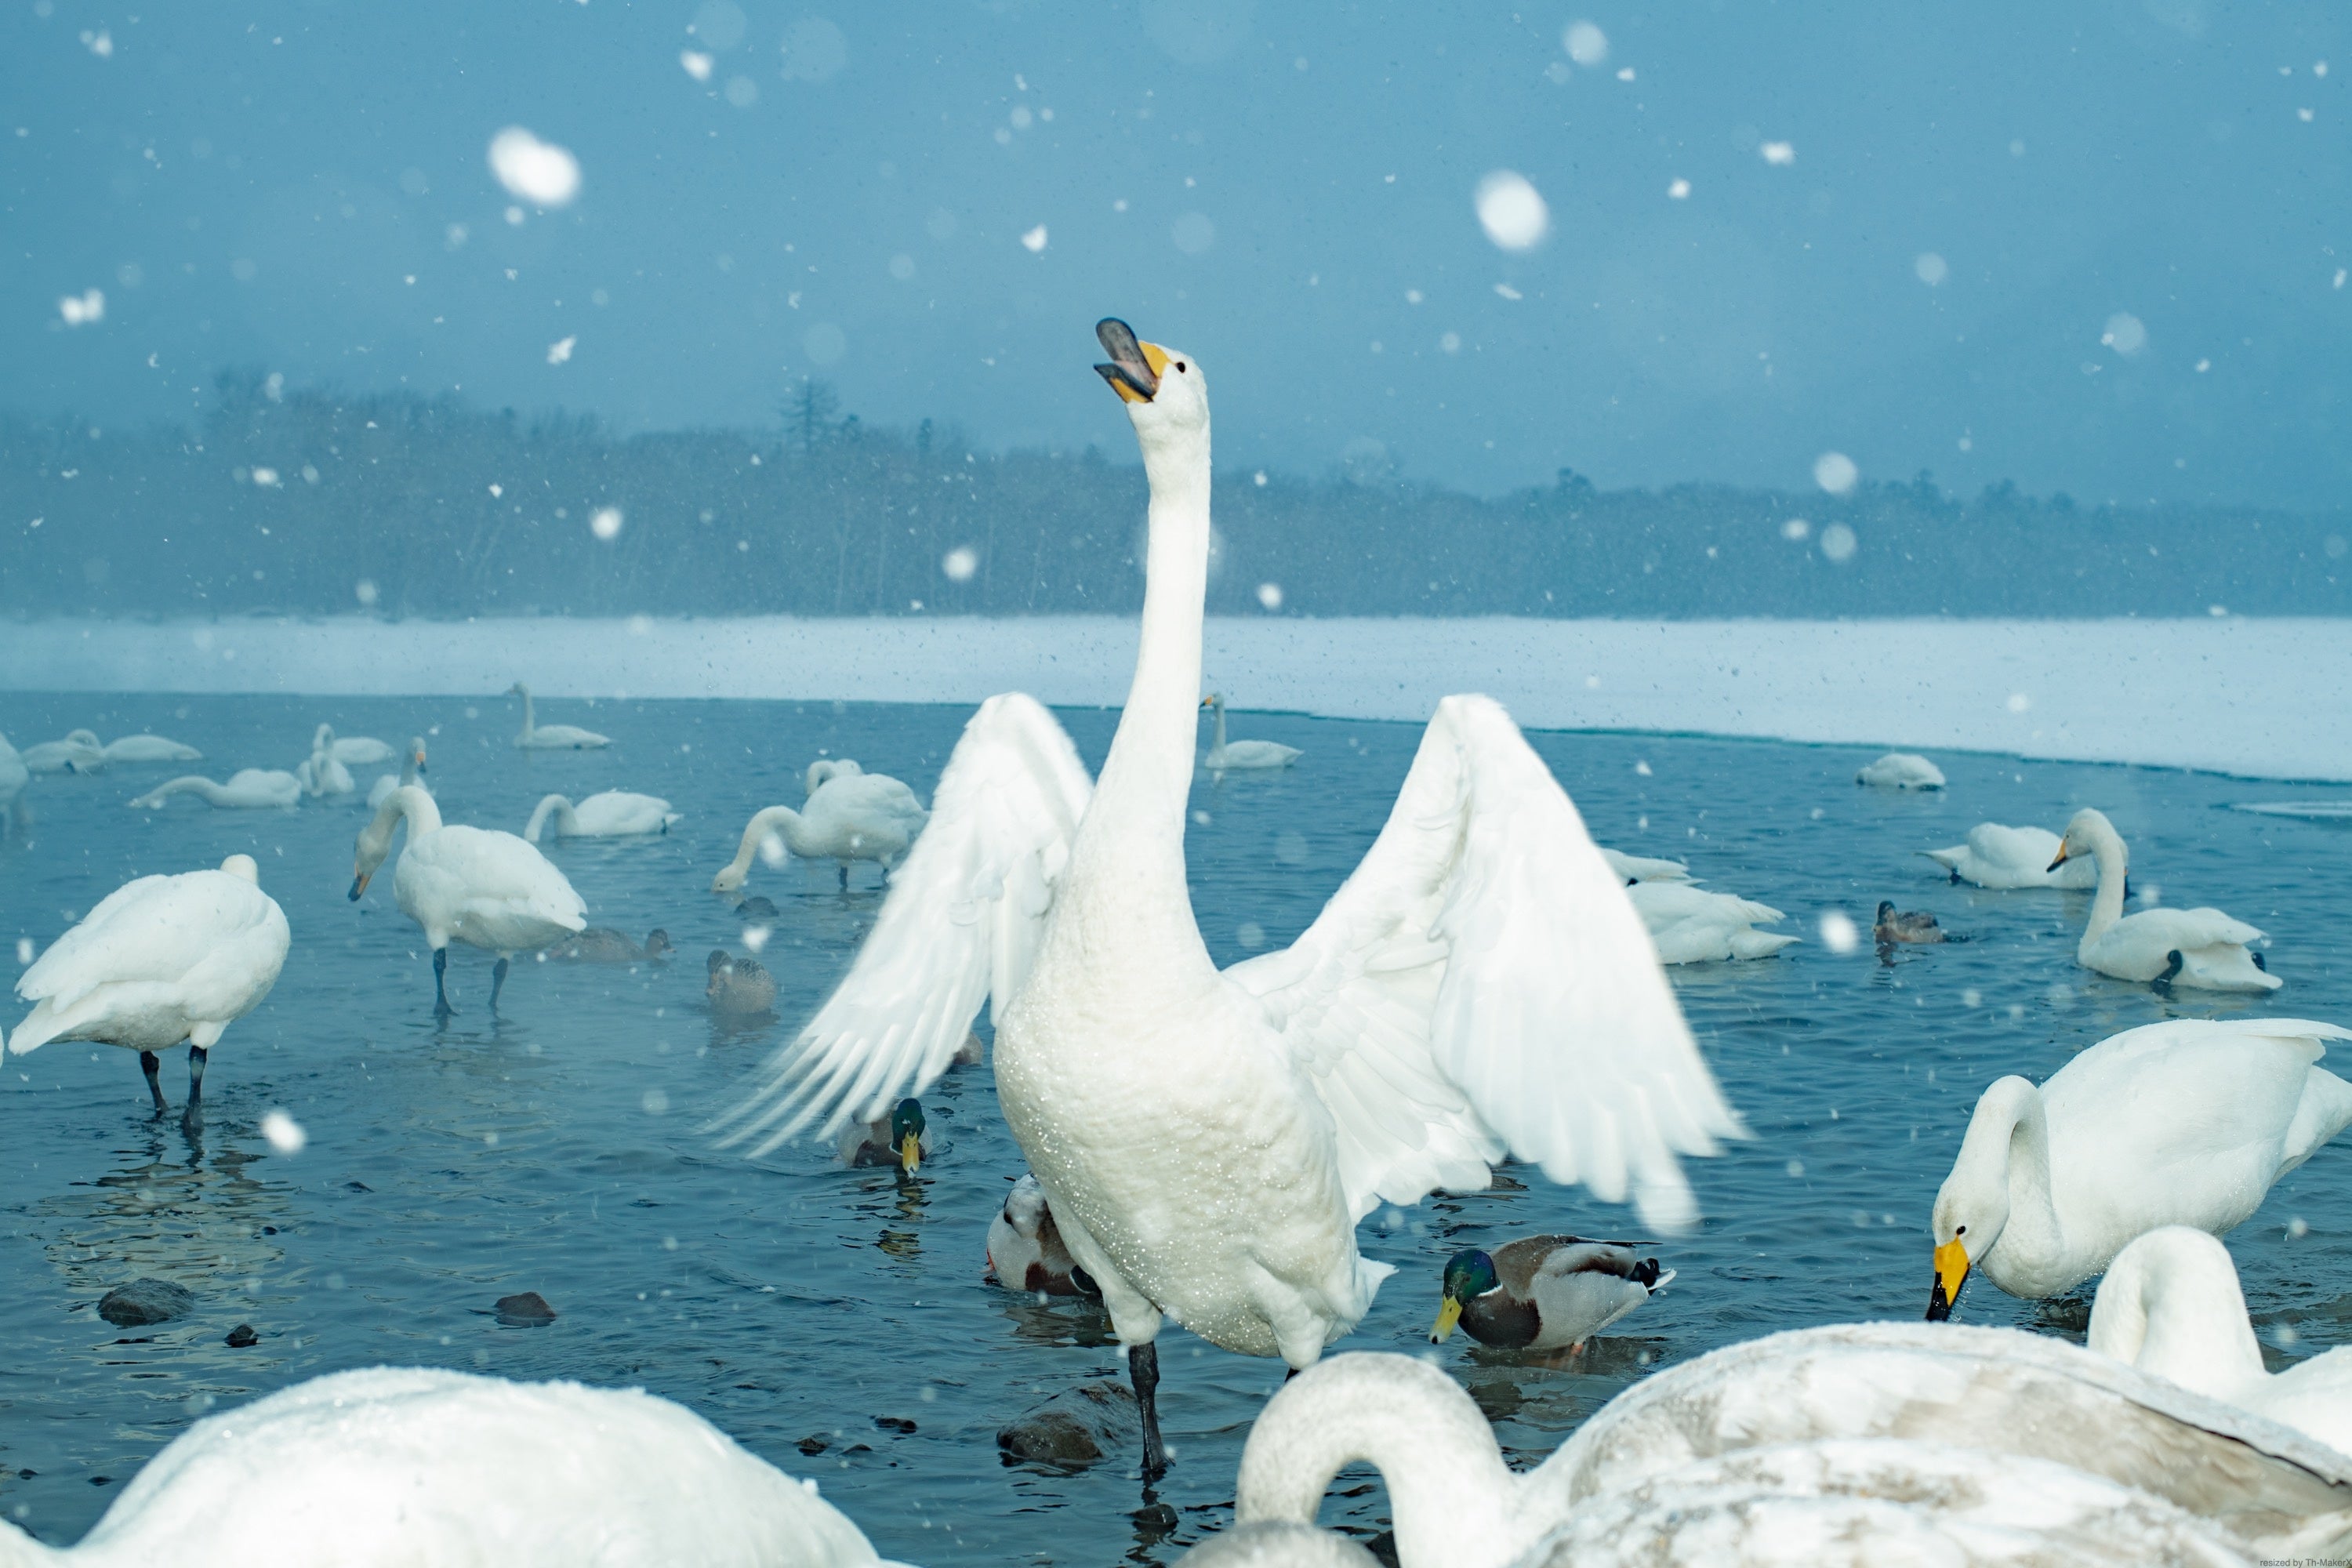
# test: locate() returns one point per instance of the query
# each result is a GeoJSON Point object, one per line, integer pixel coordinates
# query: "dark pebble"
{"type": "Point", "coordinates": [859, 1448]}
{"type": "Point", "coordinates": [898, 1424]}
{"type": "Point", "coordinates": [816, 1443]}
{"type": "Point", "coordinates": [243, 1335]}
{"type": "Point", "coordinates": [145, 1301]}
{"type": "Point", "coordinates": [357, 1187]}
{"type": "Point", "coordinates": [102, 1480]}
{"type": "Point", "coordinates": [1075, 1428]}
{"type": "Point", "coordinates": [528, 1311]}
{"type": "Point", "coordinates": [1155, 1517]}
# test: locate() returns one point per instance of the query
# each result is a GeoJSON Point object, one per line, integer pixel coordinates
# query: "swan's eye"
{"type": "Point", "coordinates": [1961, 1231]}
{"type": "Point", "coordinates": [1179, 366]}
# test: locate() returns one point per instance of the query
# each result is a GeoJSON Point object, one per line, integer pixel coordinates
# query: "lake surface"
{"type": "Point", "coordinates": [556, 1148]}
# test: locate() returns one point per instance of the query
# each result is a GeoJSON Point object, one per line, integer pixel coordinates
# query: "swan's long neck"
{"type": "Point", "coordinates": [1218, 707]}
{"type": "Point", "coordinates": [2171, 1306]}
{"type": "Point", "coordinates": [191, 784]}
{"type": "Point", "coordinates": [555, 805]}
{"type": "Point", "coordinates": [408, 801]}
{"type": "Point", "coordinates": [1132, 841]}
{"type": "Point", "coordinates": [2107, 904]}
{"type": "Point", "coordinates": [2012, 1112]}
{"type": "Point", "coordinates": [781, 821]}
{"type": "Point", "coordinates": [527, 725]}
{"type": "Point", "coordinates": [1452, 1498]}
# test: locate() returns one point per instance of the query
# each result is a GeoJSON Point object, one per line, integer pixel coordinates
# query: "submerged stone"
{"type": "Point", "coordinates": [242, 1336]}
{"type": "Point", "coordinates": [527, 1311]}
{"type": "Point", "coordinates": [1076, 1428]}
{"type": "Point", "coordinates": [145, 1301]}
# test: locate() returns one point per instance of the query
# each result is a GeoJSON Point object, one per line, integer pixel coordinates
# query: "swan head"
{"type": "Point", "coordinates": [906, 1127]}
{"type": "Point", "coordinates": [242, 866]}
{"type": "Point", "coordinates": [2088, 833]}
{"type": "Point", "coordinates": [1165, 394]}
{"type": "Point", "coordinates": [416, 752]}
{"type": "Point", "coordinates": [1972, 1206]}
{"type": "Point", "coordinates": [375, 844]}
{"type": "Point", "coordinates": [1468, 1274]}
{"type": "Point", "coordinates": [517, 690]}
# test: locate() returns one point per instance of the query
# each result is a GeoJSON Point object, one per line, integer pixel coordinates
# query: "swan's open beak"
{"type": "Point", "coordinates": [911, 1154]}
{"type": "Point", "coordinates": [359, 886]}
{"type": "Point", "coordinates": [1448, 1315]}
{"type": "Point", "coordinates": [1951, 1271]}
{"type": "Point", "coordinates": [1134, 365]}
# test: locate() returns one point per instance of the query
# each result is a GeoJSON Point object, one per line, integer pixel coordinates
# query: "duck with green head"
{"type": "Point", "coordinates": [901, 1139]}
{"type": "Point", "coordinates": [1541, 1293]}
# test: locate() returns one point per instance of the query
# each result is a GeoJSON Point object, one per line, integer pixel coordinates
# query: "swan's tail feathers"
{"type": "Point", "coordinates": [44, 1023]}
{"type": "Point", "coordinates": [966, 910]}
{"type": "Point", "coordinates": [1948, 858]}
{"type": "Point", "coordinates": [2325, 1111]}
{"type": "Point", "coordinates": [1751, 943]}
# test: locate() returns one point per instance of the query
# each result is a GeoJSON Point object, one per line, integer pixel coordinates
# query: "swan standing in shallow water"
{"type": "Point", "coordinates": [78, 753]}
{"type": "Point", "coordinates": [412, 772]}
{"type": "Point", "coordinates": [2007, 857]}
{"type": "Point", "coordinates": [534, 737]}
{"type": "Point", "coordinates": [1901, 770]}
{"type": "Point", "coordinates": [2203, 948]}
{"type": "Point", "coordinates": [612, 814]}
{"type": "Point", "coordinates": [395, 1466]}
{"type": "Point", "coordinates": [150, 749]}
{"type": "Point", "coordinates": [1208, 1142]}
{"type": "Point", "coordinates": [248, 789]}
{"type": "Point", "coordinates": [160, 960]}
{"type": "Point", "coordinates": [2184, 1122]}
{"type": "Point", "coordinates": [475, 885]}
{"type": "Point", "coordinates": [849, 817]}
{"type": "Point", "coordinates": [2170, 1305]}
{"type": "Point", "coordinates": [1233, 757]}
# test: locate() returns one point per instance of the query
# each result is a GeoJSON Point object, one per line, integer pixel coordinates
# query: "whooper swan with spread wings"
{"type": "Point", "coordinates": [1208, 1140]}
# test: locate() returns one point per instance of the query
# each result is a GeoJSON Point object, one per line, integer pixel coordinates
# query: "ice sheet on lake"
{"type": "Point", "coordinates": [2239, 696]}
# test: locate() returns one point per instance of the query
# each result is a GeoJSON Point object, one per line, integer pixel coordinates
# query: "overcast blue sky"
{"type": "Point", "coordinates": [2138, 211]}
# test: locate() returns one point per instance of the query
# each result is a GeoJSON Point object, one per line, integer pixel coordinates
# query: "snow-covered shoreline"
{"type": "Point", "coordinates": [2259, 697]}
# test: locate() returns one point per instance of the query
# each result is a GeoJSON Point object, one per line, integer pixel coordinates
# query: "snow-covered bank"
{"type": "Point", "coordinates": [2262, 697]}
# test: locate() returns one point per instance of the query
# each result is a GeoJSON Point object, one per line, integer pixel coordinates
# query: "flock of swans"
{"type": "Point", "coordinates": [1488, 985]}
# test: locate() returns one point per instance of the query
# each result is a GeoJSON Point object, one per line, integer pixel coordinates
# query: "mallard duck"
{"type": "Point", "coordinates": [603, 944]}
{"type": "Point", "coordinates": [1893, 926]}
{"type": "Point", "coordinates": [1025, 1250]}
{"type": "Point", "coordinates": [738, 986]}
{"type": "Point", "coordinates": [1540, 1292]}
{"type": "Point", "coordinates": [901, 1139]}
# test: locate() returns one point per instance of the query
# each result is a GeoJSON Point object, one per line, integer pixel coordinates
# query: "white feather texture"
{"type": "Point", "coordinates": [475, 885]}
{"type": "Point", "coordinates": [608, 814]}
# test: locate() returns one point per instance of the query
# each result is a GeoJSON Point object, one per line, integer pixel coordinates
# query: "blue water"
{"type": "Point", "coordinates": [555, 1148]}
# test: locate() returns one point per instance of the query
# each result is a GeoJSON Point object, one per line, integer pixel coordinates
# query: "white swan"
{"type": "Point", "coordinates": [2203, 948]}
{"type": "Point", "coordinates": [321, 774]}
{"type": "Point", "coordinates": [150, 749]}
{"type": "Point", "coordinates": [412, 772]}
{"type": "Point", "coordinates": [248, 789]}
{"type": "Point", "coordinates": [848, 816]}
{"type": "Point", "coordinates": [2308, 810]}
{"type": "Point", "coordinates": [78, 753]}
{"type": "Point", "coordinates": [2005, 857]}
{"type": "Point", "coordinates": [1232, 756]}
{"type": "Point", "coordinates": [1208, 1140]}
{"type": "Point", "coordinates": [609, 813]}
{"type": "Point", "coordinates": [1643, 868]}
{"type": "Point", "coordinates": [1901, 770]}
{"type": "Point", "coordinates": [2182, 1122]}
{"type": "Point", "coordinates": [534, 737]}
{"type": "Point", "coordinates": [1985, 1418]}
{"type": "Point", "coordinates": [2170, 1305]}
{"type": "Point", "coordinates": [353, 751]}
{"type": "Point", "coordinates": [825, 768]}
{"type": "Point", "coordinates": [401, 1466]}
{"type": "Point", "coordinates": [475, 885]}
{"type": "Point", "coordinates": [14, 776]}
{"type": "Point", "coordinates": [160, 960]}
{"type": "Point", "coordinates": [1691, 925]}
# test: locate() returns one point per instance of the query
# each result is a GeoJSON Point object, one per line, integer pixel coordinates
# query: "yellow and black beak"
{"type": "Point", "coordinates": [1448, 1314]}
{"type": "Point", "coordinates": [1951, 1273]}
{"type": "Point", "coordinates": [911, 1154]}
{"type": "Point", "coordinates": [2060, 860]}
{"type": "Point", "coordinates": [359, 886]}
{"type": "Point", "coordinates": [1135, 366]}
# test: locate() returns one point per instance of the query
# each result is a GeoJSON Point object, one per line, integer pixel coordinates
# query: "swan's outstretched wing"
{"type": "Point", "coordinates": [962, 924]}
{"type": "Point", "coordinates": [1483, 983]}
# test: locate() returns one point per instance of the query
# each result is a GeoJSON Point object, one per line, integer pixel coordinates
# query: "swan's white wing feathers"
{"type": "Point", "coordinates": [152, 929]}
{"type": "Point", "coordinates": [2189, 929]}
{"type": "Point", "coordinates": [961, 923]}
{"type": "Point", "coordinates": [1482, 983]}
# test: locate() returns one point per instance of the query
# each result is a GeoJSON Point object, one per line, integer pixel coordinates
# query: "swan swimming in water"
{"type": "Point", "coordinates": [248, 789]}
{"type": "Point", "coordinates": [611, 813]}
{"type": "Point", "coordinates": [1901, 770]}
{"type": "Point", "coordinates": [1691, 925]}
{"type": "Point", "coordinates": [412, 772]}
{"type": "Point", "coordinates": [2203, 948]}
{"type": "Point", "coordinates": [1208, 1140]}
{"type": "Point", "coordinates": [2187, 1122]}
{"type": "Point", "coordinates": [321, 774]}
{"type": "Point", "coordinates": [475, 885]}
{"type": "Point", "coordinates": [150, 749]}
{"type": "Point", "coordinates": [849, 817]}
{"type": "Point", "coordinates": [14, 776]}
{"type": "Point", "coordinates": [393, 1466]}
{"type": "Point", "coordinates": [78, 753]}
{"type": "Point", "coordinates": [1233, 757]}
{"type": "Point", "coordinates": [352, 751]}
{"type": "Point", "coordinates": [159, 961]}
{"type": "Point", "coordinates": [533, 737]}
{"type": "Point", "coordinates": [2005, 857]}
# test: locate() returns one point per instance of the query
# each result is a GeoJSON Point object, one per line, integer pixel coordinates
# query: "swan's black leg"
{"type": "Point", "coordinates": [197, 1057]}
{"type": "Point", "coordinates": [149, 1063]}
{"type": "Point", "coordinates": [441, 1009]}
{"type": "Point", "coordinates": [844, 875]}
{"type": "Point", "coordinates": [2162, 984]}
{"type": "Point", "coordinates": [1143, 1370]}
{"type": "Point", "coordinates": [498, 982]}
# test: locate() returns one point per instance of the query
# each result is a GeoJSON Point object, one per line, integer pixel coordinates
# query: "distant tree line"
{"type": "Point", "coordinates": [309, 502]}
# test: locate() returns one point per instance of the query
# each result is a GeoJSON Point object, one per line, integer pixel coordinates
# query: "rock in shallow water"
{"type": "Point", "coordinates": [527, 1311]}
{"type": "Point", "coordinates": [242, 1336]}
{"type": "Point", "coordinates": [145, 1301]}
{"type": "Point", "coordinates": [1076, 1428]}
